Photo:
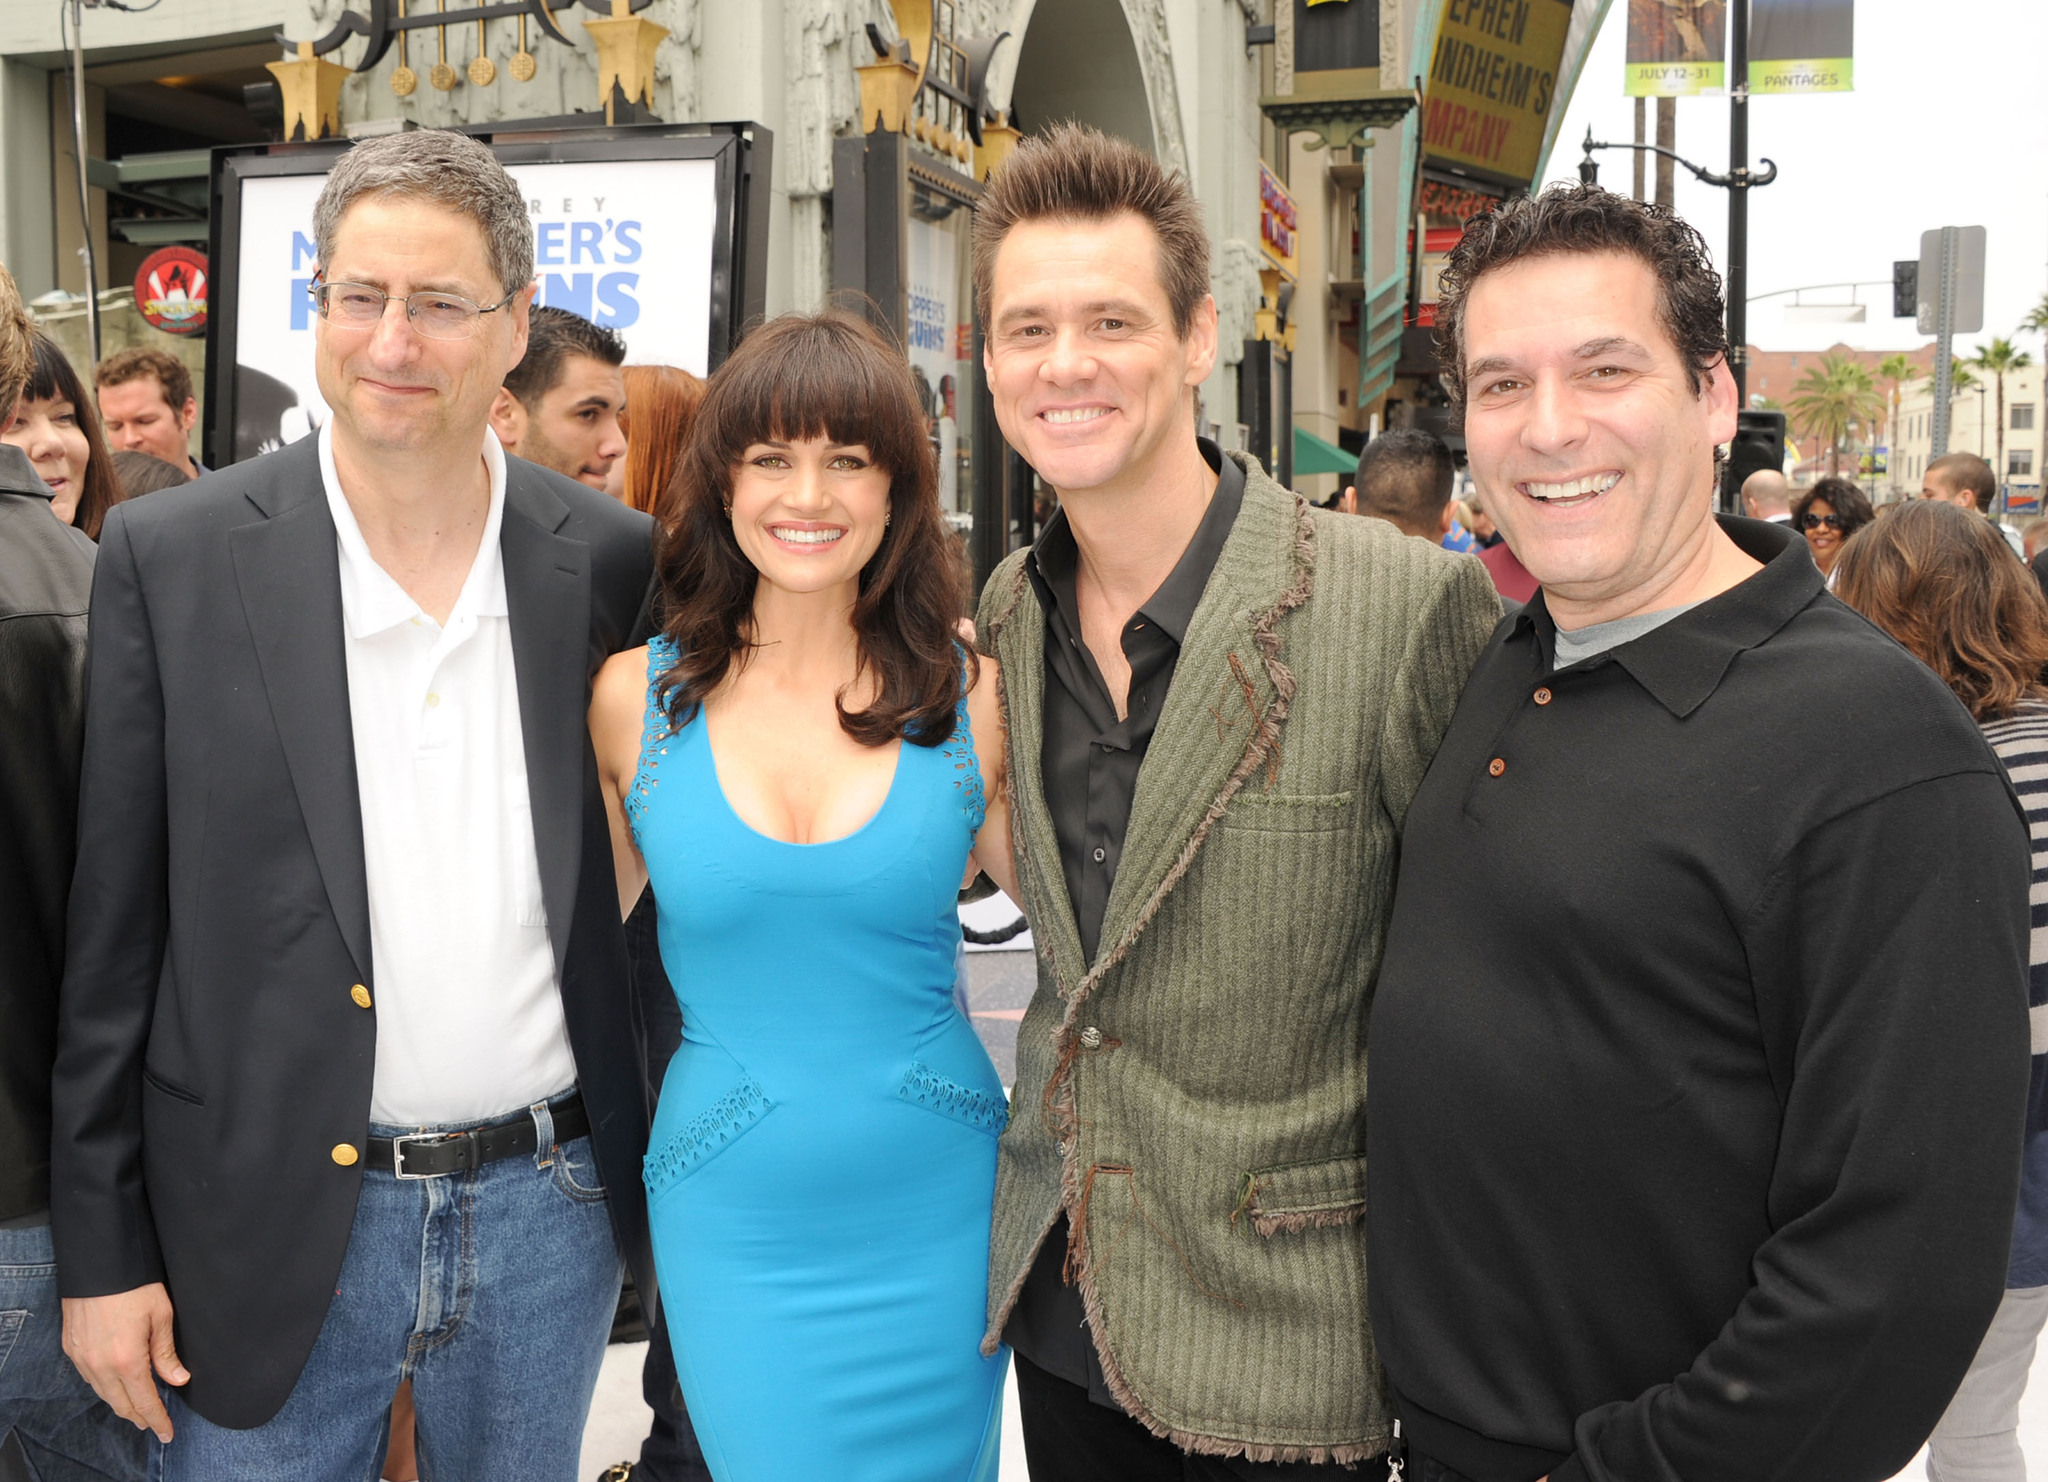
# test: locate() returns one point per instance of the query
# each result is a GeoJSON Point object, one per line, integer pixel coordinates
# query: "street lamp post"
{"type": "Point", "coordinates": [1738, 182]}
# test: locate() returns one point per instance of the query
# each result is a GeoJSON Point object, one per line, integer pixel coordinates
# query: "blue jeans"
{"type": "Point", "coordinates": [64, 1428]}
{"type": "Point", "coordinates": [492, 1291]}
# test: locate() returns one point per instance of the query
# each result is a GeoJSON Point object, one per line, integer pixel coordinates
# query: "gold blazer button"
{"type": "Point", "coordinates": [345, 1154]}
{"type": "Point", "coordinates": [361, 995]}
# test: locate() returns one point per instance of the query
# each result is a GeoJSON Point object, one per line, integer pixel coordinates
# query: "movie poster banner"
{"type": "Point", "coordinates": [1677, 48]}
{"type": "Point", "coordinates": [1492, 79]}
{"type": "Point", "coordinates": [1802, 46]}
{"type": "Point", "coordinates": [625, 243]}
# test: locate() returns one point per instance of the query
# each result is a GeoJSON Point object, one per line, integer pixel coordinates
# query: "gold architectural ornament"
{"type": "Point", "coordinates": [310, 91]}
{"type": "Point", "coordinates": [998, 142]}
{"type": "Point", "coordinates": [442, 76]}
{"type": "Point", "coordinates": [523, 65]}
{"type": "Point", "coordinates": [1266, 319]}
{"type": "Point", "coordinates": [403, 78]}
{"type": "Point", "coordinates": [482, 70]}
{"type": "Point", "coordinates": [625, 56]}
{"type": "Point", "coordinates": [888, 86]}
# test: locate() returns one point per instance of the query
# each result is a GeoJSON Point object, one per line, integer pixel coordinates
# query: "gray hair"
{"type": "Point", "coordinates": [453, 171]}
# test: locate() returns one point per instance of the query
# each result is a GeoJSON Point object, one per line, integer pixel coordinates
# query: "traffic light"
{"type": "Point", "coordinates": [1759, 443]}
{"type": "Point", "coordinates": [1906, 288]}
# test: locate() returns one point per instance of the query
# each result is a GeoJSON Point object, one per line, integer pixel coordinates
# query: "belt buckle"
{"type": "Point", "coordinates": [398, 1153]}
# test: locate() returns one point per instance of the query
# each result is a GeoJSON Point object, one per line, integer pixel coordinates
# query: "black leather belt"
{"type": "Point", "coordinates": [436, 1154]}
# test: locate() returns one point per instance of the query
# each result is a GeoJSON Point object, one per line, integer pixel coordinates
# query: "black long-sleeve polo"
{"type": "Point", "coordinates": [1699, 1055]}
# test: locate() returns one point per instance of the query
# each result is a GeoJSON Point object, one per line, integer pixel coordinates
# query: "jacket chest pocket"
{"type": "Point", "coordinates": [1253, 811]}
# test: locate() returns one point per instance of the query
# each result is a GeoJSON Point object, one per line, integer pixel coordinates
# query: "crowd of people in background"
{"type": "Point", "coordinates": [633, 724]}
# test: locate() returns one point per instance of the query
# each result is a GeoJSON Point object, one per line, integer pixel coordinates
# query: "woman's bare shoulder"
{"type": "Point", "coordinates": [621, 683]}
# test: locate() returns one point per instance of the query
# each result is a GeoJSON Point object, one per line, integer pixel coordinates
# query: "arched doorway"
{"type": "Point", "coordinates": [1077, 61]}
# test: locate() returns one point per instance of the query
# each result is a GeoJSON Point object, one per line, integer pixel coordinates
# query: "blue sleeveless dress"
{"type": "Point", "coordinates": [822, 1164]}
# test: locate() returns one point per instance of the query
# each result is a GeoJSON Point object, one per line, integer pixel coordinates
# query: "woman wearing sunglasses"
{"type": "Point", "coordinates": [1827, 515]}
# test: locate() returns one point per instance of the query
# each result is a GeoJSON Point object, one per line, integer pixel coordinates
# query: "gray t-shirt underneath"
{"type": "Point", "coordinates": [1583, 643]}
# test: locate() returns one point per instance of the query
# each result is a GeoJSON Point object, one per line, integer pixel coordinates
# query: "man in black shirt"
{"type": "Point", "coordinates": [1697, 1086]}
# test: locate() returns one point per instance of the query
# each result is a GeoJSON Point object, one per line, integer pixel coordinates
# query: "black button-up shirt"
{"type": "Point", "coordinates": [1091, 759]}
{"type": "Point", "coordinates": [1699, 1052]}
{"type": "Point", "coordinates": [1090, 767]}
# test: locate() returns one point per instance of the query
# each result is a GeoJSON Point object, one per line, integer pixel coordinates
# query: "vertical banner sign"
{"type": "Point", "coordinates": [1677, 48]}
{"type": "Point", "coordinates": [1278, 223]}
{"type": "Point", "coordinates": [1802, 46]}
{"type": "Point", "coordinates": [1492, 79]}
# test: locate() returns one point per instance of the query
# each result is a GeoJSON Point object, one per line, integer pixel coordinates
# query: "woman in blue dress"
{"type": "Point", "coordinates": [808, 764]}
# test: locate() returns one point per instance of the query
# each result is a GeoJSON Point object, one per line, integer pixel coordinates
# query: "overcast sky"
{"type": "Point", "coordinates": [1948, 126]}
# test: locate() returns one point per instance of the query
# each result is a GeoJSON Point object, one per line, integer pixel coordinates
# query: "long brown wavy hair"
{"type": "Point", "coordinates": [1944, 583]}
{"type": "Point", "coordinates": [798, 377]}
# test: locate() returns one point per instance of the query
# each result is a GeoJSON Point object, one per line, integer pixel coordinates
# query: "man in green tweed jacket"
{"type": "Point", "coordinates": [1219, 702]}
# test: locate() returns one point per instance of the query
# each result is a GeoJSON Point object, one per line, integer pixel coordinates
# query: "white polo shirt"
{"type": "Point", "coordinates": [469, 1020]}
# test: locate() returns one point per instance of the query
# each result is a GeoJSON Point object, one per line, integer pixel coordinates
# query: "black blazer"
{"type": "Point", "coordinates": [210, 1056]}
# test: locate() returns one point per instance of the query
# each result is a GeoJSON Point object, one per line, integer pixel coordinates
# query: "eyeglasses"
{"type": "Point", "coordinates": [1814, 522]}
{"type": "Point", "coordinates": [437, 316]}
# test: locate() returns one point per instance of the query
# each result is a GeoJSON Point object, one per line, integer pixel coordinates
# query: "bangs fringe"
{"type": "Point", "coordinates": [796, 378]}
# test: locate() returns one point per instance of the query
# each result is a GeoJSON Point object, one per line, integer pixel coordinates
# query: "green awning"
{"type": "Point", "coordinates": [1313, 455]}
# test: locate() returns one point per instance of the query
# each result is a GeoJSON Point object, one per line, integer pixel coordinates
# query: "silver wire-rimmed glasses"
{"type": "Point", "coordinates": [436, 315]}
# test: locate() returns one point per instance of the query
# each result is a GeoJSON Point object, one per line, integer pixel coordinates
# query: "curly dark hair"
{"type": "Point", "coordinates": [798, 377]}
{"type": "Point", "coordinates": [1586, 219]}
{"type": "Point", "coordinates": [1842, 496]}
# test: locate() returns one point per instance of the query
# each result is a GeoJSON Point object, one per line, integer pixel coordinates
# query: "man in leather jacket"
{"type": "Point", "coordinates": [49, 1417]}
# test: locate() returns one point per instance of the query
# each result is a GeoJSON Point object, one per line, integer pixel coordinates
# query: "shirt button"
{"type": "Point", "coordinates": [433, 699]}
{"type": "Point", "coordinates": [1099, 855]}
{"type": "Point", "coordinates": [345, 1154]}
{"type": "Point", "coordinates": [1496, 767]}
{"type": "Point", "coordinates": [1062, 1148]}
{"type": "Point", "coordinates": [1542, 697]}
{"type": "Point", "coordinates": [1091, 1038]}
{"type": "Point", "coordinates": [361, 995]}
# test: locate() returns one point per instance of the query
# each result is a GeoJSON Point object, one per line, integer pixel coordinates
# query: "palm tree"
{"type": "Point", "coordinates": [1998, 357]}
{"type": "Point", "coordinates": [1894, 372]}
{"type": "Point", "coordinates": [2037, 317]}
{"type": "Point", "coordinates": [1833, 400]}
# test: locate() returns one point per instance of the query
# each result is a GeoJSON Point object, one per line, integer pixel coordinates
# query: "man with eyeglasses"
{"type": "Point", "coordinates": [347, 1077]}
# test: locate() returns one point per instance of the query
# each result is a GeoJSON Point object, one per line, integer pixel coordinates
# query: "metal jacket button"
{"type": "Point", "coordinates": [345, 1154]}
{"type": "Point", "coordinates": [361, 995]}
{"type": "Point", "coordinates": [1496, 767]}
{"type": "Point", "coordinates": [1092, 1037]}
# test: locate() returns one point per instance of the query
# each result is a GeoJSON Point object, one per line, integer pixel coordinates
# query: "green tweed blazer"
{"type": "Point", "coordinates": [1194, 1098]}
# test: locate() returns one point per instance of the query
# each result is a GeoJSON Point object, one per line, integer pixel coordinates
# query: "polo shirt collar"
{"type": "Point", "coordinates": [372, 601]}
{"type": "Point", "coordinates": [1683, 662]}
{"type": "Point", "coordinates": [1055, 557]}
